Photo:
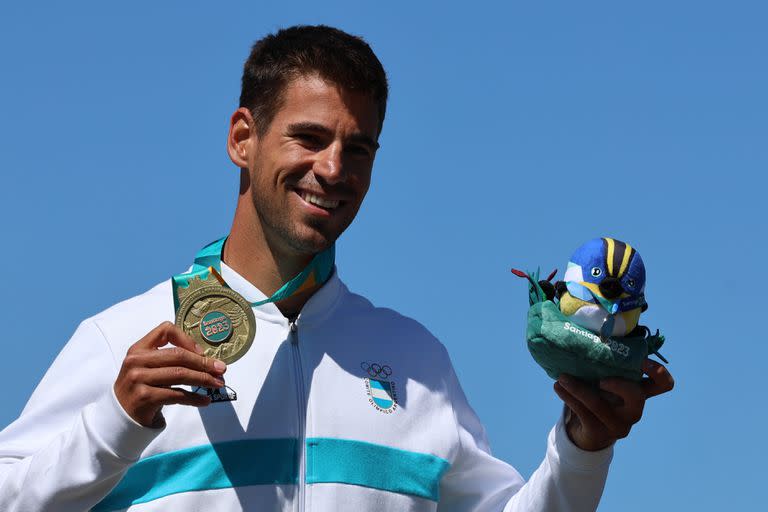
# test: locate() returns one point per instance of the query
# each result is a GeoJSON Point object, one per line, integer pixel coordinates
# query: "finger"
{"type": "Point", "coordinates": [631, 396]}
{"type": "Point", "coordinates": [629, 393]}
{"type": "Point", "coordinates": [174, 335]}
{"type": "Point", "coordinates": [179, 375]}
{"type": "Point", "coordinates": [164, 334]}
{"type": "Point", "coordinates": [659, 379]}
{"type": "Point", "coordinates": [177, 356]}
{"type": "Point", "coordinates": [613, 400]}
{"type": "Point", "coordinates": [588, 420]}
{"type": "Point", "coordinates": [591, 400]}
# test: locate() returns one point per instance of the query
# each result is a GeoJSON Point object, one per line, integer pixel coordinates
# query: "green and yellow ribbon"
{"type": "Point", "coordinates": [208, 261]}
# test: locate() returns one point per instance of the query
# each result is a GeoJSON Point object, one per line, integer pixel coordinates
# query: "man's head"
{"type": "Point", "coordinates": [305, 135]}
{"type": "Point", "coordinates": [335, 56]}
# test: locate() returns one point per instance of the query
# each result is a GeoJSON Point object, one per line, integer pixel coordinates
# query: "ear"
{"type": "Point", "coordinates": [242, 134]}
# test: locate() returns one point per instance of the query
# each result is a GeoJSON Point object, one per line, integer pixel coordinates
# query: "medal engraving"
{"type": "Point", "coordinates": [216, 327]}
{"type": "Point", "coordinates": [219, 320]}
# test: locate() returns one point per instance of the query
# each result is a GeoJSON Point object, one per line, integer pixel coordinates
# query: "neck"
{"type": "Point", "coordinates": [249, 253]}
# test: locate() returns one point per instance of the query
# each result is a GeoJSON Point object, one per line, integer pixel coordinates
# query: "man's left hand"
{"type": "Point", "coordinates": [603, 414]}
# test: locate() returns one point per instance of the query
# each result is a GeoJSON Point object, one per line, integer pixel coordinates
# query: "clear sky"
{"type": "Point", "coordinates": [515, 132]}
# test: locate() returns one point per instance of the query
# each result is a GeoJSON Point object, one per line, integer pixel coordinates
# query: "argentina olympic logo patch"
{"type": "Point", "coordinates": [381, 392]}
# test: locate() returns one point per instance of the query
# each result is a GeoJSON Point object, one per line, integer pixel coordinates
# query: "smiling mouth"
{"type": "Point", "coordinates": [328, 204]}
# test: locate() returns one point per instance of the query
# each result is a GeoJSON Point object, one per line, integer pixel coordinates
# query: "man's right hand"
{"type": "Point", "coordinates": [146, 379]}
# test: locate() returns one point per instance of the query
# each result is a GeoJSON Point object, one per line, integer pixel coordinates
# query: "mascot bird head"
{"type": "Point", "coordinates": [604, 288]}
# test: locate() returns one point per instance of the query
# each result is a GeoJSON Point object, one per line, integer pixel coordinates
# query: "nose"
{"type": "Point", "coordinates": [611, 288]}
{"type": "Point", "coordinates": [329, 166]}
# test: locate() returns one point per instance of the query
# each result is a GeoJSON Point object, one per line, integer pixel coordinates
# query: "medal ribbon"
{"type": "Point", "coordinates": [208, 261]}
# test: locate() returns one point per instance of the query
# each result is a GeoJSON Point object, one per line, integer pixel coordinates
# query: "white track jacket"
{"type": "Point", "coordinates": [350, 408]}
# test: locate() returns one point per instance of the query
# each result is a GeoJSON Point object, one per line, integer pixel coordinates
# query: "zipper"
{"type": "Point", "coordinates": [302, 409]}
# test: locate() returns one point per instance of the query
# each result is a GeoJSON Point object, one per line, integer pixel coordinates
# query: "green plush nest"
{"type": "Point", "coordinates": [561, 346]}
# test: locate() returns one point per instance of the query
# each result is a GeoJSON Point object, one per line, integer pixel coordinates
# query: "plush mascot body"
{"type": "Point", "coordinates": [605, 278]}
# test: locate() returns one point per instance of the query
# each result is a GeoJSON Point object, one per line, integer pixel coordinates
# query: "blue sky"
{"type": "Point", "coordinates": [515, 132]}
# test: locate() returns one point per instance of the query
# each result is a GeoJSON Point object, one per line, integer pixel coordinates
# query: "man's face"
{"type": "Point", "coordinates": [312, 167]}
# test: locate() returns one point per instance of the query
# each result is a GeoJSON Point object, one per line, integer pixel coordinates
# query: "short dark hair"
{"type": "Point", "coordinates": [336, 56]}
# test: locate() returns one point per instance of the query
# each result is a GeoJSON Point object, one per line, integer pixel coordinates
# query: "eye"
{"type": "Point", "coordinates": [631, 283]}
{"type": "Point", "coordinates": [596, 272]}
{"type": "Point", "coordinates": [358, 150]}
{"type": "Point", "coordinates": [309, 140]}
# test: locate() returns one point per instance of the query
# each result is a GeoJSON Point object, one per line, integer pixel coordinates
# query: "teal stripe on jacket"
{"type": "Point", "coordinates": [274, 461]}
{"type": "Point", "coordinates": [372, 465]}
{"type": "Point", "coordinates": [217, 466]}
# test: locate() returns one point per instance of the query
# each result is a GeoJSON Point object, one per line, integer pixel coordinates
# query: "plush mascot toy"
{"type": "Point", "coordinates": [604, 288]}
{"type": "Point", "coordinates": [587, 325]}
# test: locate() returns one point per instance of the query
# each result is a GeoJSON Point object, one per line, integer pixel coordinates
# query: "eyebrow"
{"type": "Point", "coordinates": [314, 127]}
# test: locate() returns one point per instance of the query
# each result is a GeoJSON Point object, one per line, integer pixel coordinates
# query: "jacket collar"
{"type": "Point", "coordinates": [319, 305]}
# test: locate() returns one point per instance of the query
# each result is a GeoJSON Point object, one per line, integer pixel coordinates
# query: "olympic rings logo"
{"type": "Point", "coordinates": [376, 370]}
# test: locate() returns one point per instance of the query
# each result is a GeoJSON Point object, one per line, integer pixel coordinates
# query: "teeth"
{"type": "Point", "coordinates": [319, 201]}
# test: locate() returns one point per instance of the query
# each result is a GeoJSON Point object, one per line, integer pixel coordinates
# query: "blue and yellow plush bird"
{"type": "Point", "coordinates": [587, 324]}
{"type": "Point", "coordinates": [604, 287]}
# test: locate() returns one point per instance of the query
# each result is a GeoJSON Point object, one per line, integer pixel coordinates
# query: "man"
{"type": "Point", "coordinates": [340, 405]}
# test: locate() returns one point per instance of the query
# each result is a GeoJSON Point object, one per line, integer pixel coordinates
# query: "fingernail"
{"type": "Point", "coordinates": [199, 349]}
{"type": "Point", "coordinates": [219, 383]}
{"type": "Point", "coordinates": [219, 365]}
{"type": "Point", "coordinates": [565, 380]}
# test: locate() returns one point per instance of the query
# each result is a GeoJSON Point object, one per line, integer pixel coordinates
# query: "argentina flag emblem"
{"type": "Point", "coordinates": [382, 394]}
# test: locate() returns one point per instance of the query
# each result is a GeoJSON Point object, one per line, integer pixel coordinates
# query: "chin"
{"type": "Point", "coordinates": [315, 237]}
{"type": "Point", "coordinates": [311, 243]}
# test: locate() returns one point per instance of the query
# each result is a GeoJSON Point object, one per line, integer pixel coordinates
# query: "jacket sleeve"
{"type": "Point", "coordinates": [73, 442]}
{"type": "Point", "coordinates": [568, 479]}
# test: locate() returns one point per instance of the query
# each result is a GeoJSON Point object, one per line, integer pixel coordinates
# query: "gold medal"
{"type": "Point", "coordinates": [219, 320]}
